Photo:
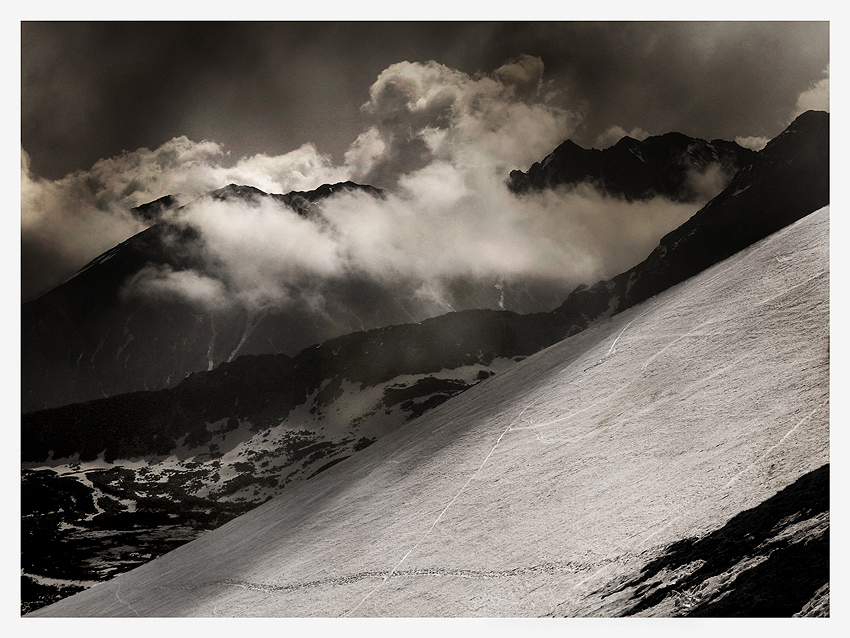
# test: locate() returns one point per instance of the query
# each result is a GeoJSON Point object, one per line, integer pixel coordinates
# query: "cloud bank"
{"type": "Point", "coordinates": [440, 227]}
{"type": "Point", "coordinates": [426, 113]}
{"type": "Point", "coordinates": [442, 142]}
{"type": "Point", "coordinates": [67, 222]}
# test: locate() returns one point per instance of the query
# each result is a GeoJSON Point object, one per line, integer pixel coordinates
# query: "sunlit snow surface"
{"type": "Point", "coordinates": [545, 489]}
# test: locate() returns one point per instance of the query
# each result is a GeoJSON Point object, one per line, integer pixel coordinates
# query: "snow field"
{"type": "Point", "coordinates": [528, 493]}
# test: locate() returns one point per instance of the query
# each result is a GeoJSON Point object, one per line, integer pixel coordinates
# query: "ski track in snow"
{"type": "Point", "coordinates": [611, 349]}
{"type": "Point", "coordinates": [121, 600]}
{"type": "Point", "coordinates": [690, 333]}
{"type": "Point", "coordinates": [445, 509]}
{"type": "Point", "coordinates": [785, 292]}
{"type": "Point", "coordinates": [553, 567]}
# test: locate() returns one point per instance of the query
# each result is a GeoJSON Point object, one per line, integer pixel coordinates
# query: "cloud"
{"type": "Point", "coordinates": [445, 140]}
{"type": "Point", "coordinates": [479, 230]}
{"type": "Point", "coordinates": [263, 250]}
{"type": "Point", "coordinates": [755, 143]}
{"type": "Point", "coordinates": [522, 75]}
{"type": "Point", "coordinates": [67, 222]}
{"type": "Point", "coordinates": [166, 284]}
{"type": "Point", "coordinates": [615, 133]}
{"type": "Point", "coordinates": [708, 182]}
{"type": "Point", "coordinates": [442, 231]}
{"type": "Point", "coordinates": [366, 150]}
{"type": "Point", "coordinates": [429, 112]}
{"type": "Point", "coordinates": [816, 97]}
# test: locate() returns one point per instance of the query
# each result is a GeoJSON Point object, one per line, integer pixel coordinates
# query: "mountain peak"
{"type": "Point", "coordinates": [239, 191]}
{"type": "Point", "coordinates": [633, 169]}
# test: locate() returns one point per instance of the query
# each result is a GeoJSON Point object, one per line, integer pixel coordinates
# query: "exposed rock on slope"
{"type": "Point", "coordinates": [671, 459]}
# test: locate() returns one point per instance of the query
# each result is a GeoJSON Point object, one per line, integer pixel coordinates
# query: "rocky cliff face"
{"type": "Point", "coordinates": [788, 177]}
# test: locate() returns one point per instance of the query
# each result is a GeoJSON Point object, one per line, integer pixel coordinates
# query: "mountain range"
{"type": "Point", "coordinates": [88, 338]}
{"type": "Point", "coordinates": [125, 478]}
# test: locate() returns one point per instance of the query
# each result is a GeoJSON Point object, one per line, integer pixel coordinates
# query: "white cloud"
{"type": "Point", "coordinates": [430, 112]}
{"type": "Point", "coordinates": [69, 221]}
{"type": "Point", "coordinates": [165, 283]}
{"type": "Point", "coordinates": [615, 133]}
{"type": "Point", "coordinates": [754, 143]}
{"type": "Point", "coordinates": [816, 97]}
{"type": "Point", "coordinates": [365, 151]}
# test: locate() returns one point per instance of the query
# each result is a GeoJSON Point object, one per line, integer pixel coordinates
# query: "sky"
{"type": "Point", "coordinates": [117, 114]}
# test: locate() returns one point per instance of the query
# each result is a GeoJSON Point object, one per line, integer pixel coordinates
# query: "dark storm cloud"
{"type": "Point", "coordinates": [707, 79]}
{"type": "Point", "coordinates": [91, 90]}
{"type": "Point", "coordinates": [438, 112]}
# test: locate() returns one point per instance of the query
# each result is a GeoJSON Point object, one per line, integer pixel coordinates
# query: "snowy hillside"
{"type": "Point", "coordinates": [670, 460]}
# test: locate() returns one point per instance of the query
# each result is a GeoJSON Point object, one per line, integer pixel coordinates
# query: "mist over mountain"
{"type": "Point", "coordinates": [224, 440]}
{"type": "Point", "coordinates": [241, 271]}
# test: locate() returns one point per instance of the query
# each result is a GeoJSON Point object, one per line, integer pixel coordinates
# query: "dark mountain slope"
{"type": "Point", "coordinates": [265, 388]}
{"type": "Point", "coordinates": [84, 340]}
{"type": "Point", "coordinates": [788, 179]}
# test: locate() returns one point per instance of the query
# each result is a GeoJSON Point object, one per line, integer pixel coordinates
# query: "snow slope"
{"type": "Point", "coordinates": [564, 486]}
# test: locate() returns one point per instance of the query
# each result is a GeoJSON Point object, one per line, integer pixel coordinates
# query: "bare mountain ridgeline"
{"type": "Point", "coordinates": [257, 421]}
{"type": "Point", "coordinates": [673, 165]}
{"type": "Point", "coordinates": [93, 336]}
{"type": "Point", "coordinates": [789, 179]}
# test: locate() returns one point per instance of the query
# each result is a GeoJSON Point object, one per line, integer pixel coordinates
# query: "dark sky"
{"type": "Point", "coordinates": [91, 90]}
